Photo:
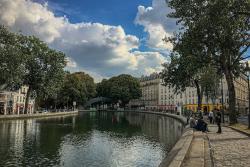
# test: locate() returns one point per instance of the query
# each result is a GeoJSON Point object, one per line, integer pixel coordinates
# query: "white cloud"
{"type": "Point", "coordinates": [102, 50]}
{"type": "Point", "coordinates": [156, 24]}
{"type": "Point", "coordinates": [31, 18]}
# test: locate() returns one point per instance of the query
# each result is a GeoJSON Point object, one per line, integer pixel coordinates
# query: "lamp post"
{"type": "Point", "coordinates": [222, 101]}
{"type": "Point", "coordinates": [248, 86]}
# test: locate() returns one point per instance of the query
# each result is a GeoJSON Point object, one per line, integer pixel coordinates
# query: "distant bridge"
{"type": "Point", "coordinates": [97, 100]}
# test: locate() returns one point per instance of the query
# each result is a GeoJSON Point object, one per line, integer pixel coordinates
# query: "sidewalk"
{"type": "Point", "coordinates": [229, 149]}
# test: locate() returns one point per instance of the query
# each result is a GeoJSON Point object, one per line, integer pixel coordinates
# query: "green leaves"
{"type": "Point", "coordinates": [12, 60]}
{"type": "Point", "coordinates": [25, 60]}
{"type": "Point", "coordinates": [123, 87]}
{"type": "Point", "coordinates": [78, 87]}
{"type": "Point", "coordinates": [215, 33]}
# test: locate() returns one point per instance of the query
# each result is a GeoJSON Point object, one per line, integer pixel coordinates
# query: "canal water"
{"type": "Point", "coordinates": [93, 139]}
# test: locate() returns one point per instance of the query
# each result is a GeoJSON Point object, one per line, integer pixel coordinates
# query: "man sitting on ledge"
{"type": "Point", "coordinates": [199, 124]}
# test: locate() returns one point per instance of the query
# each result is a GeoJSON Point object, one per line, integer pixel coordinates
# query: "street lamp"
{"type": "Point", "coordinates": [222, 101]}
{"type": "Point", "coordinates": [248, 75]}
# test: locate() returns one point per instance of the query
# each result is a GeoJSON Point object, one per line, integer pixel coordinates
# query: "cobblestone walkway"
{"type": "Point", "coordinates": [229, 149]}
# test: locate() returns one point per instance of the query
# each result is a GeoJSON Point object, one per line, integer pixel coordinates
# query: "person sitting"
{"type": "Point", "coordinates": [192, 122]}
{"type": "Point", "coordinates": [201, 125]}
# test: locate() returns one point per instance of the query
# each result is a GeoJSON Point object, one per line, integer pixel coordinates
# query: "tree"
{"type": "Point", "coordinates": [182, 72]}
{"type": "Point", "coordinates": [222, 28]}
{"type": "Point", "coordinates": [11, 59]}
{"type": "Point", "coordinates": [123, 87]}
{"type": "Point", "coordinates": [44, 67]}
{"type": "Point", "coordinates": [78, 87]}
{"type": "Point", "coordinates": [188, 63]}
{"type": "Point", "coordinates": [29, 61]}
{"type": "Point", "coordinates": [103, 88]}
{"type": "Point", "coordinates": [210, 83]}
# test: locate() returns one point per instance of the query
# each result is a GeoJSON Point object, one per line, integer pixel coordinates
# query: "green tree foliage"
{"type": "Point", "coordinates": [44, 67]}
{"type": "Point", "coordinates": [185, 71]}
{"type": "Point", "coordinates": [221, 30]}
{"type": "Point", "coordinates": [11, 59]}
{"type": "Point", "coordinates": [78, 87]}
{"type": "Point", "coordinates": [123, 87]}
{"type": "Point", "coordinates": [29, 61]}
{"type": "Point", "coordinates": [210, 84]}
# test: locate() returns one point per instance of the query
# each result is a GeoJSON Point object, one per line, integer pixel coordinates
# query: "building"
{"type": "Point", "coordinates": [157, 96]}
{"type": "Point", "coordinates": [13, 102]}
{"type": "Point", "coordinates": [150, 86]}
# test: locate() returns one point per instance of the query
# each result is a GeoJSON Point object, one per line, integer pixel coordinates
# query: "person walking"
{"type": "Point", "coordinates": [218, 120]}
{"type": "Point", "coordinates": [211, 116]}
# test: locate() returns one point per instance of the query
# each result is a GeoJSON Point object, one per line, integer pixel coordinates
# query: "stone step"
{"type": "Point", "coordinates": [196, 156]}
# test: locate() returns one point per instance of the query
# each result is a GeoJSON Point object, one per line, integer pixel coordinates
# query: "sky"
{"type": "Point", "coordinates": [101, 38]}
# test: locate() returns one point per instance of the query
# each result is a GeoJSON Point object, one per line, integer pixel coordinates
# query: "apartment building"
{"type": "Point", "coordinates": [160, 97]}
{"type": "Point", "coordinates": [150, 86]}
{"type": "Point", "coordinates": [13, 102]}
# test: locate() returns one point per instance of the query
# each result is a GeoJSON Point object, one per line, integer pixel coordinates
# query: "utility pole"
{"type": "Point", "coordinates": [248, 86]}
{"type": "Point", "coordinates": [222, 101]}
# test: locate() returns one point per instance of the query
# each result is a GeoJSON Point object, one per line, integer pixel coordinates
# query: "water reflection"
{"type": "Point", "coordinates": [89, 139]}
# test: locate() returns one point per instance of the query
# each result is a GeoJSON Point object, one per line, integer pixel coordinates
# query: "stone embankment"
{"type": "Point", "coordinates": [38, 115]}
{"type": "Point", "coordinates": [197, 149]}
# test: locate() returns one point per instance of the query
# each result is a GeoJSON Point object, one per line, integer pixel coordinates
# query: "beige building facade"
{"type": "Point", "coordinates": [157, 96]}
{"type": "Point", "coordinates": [150, 90]}
{"type": "Point", "coordinates": [13, 102]}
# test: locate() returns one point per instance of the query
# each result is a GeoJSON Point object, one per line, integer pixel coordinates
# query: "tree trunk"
{"type": "Point", "coordinates": [27, 100]}
{"type": "Point", "coordinates": [199, 94]}
{"type": "Point", "coordinates": [231, 90]}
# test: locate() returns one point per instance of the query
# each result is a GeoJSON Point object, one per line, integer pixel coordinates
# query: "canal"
{"type": "Point", "coordinates": [96, 139]}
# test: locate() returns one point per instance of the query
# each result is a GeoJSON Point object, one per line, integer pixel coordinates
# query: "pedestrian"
{"type": "Point", "coordinates": [192, 121]}
{"type": "Point", "coordinates": [211, 116]}
{"type": "Point", "coordinates": [199, 113]}
{"type": "Point", "coordinates": [218, 120]}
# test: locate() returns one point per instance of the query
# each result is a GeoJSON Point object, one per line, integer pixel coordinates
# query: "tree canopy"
{"type": "Point", "coordinates": [26, 60]}
{"type": "Point", "coordinates": [221, 30]}
{"type": "Point", "coordinates": [123, 87]}
{"type": "Point", "coordinates": [12, 60]}
{"type": "Point", "coordinates": [78, 87]}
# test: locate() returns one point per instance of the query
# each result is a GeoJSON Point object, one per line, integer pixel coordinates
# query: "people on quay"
{"type": "Point", "coordinates": [198, 124]}
{"type": "Point", "coordinates": [192, 121]}
{"type": "Point", "coordinates": [211, 117]}
{"type": "Point", "coordinates": [199, 112]}
{"type": "Point", "coordinates": [218, 120]}
{"type": "Point", "coordinates": [201, 125]}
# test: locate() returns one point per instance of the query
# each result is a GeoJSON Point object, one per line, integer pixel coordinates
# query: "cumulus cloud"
{"type": "Point", "coordinates": [102, 50]}
{"type": "Point", "coordinates": [149, 62]}
{"type": "Point", "coordinates": [156, 24]}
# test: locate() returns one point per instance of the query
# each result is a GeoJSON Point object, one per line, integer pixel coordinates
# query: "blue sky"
{"type": "Point", "coordinates": [110, 12]}
{"type": "Point", "coordinates": [102, 38]}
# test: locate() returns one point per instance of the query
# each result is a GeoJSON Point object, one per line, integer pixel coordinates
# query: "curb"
{"type": "Point", "coordinates": [28, 116]}
{"type": "Point", "coordinates": [245, 133]}
{"type": "Point", "coordinates": [178, 153]}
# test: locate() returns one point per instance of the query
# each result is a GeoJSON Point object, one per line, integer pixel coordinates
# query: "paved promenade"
{"type": "Point", "coordinates": [229, 149]}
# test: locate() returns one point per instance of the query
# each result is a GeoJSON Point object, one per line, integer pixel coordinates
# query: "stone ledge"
{"type": "Point", "coordinates": [178, 153]}
{"type": "Point", "coordinates": [39, 115]}
{"type": "Point", "coordinates": [182, 119]}
{"type": "Point", "coordinates": [240, 130]}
